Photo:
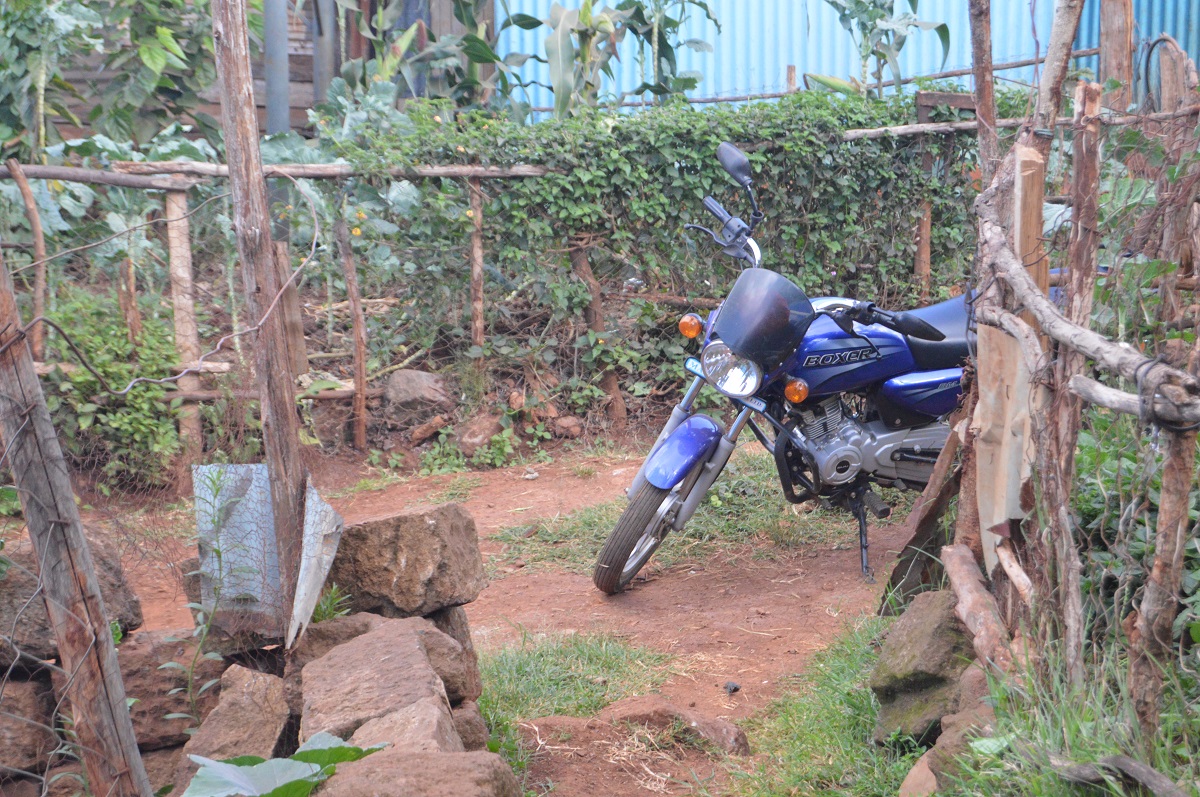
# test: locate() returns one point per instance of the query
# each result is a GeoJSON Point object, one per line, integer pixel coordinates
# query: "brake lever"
{"type": "Point", "coordinates": [844, 319]}
{"type": "Point", "coordinates": [716, 239]}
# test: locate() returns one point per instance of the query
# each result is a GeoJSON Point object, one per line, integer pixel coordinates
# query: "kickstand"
{"type": "Point", "coordinates": [859, 508]}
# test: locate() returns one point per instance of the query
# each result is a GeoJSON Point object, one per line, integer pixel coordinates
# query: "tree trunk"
{"type": "Point", "coordinates": [594, 315]}
{"type": "Point", "coordinates": [187, 337]}
{"type": "Point", "coordinates": [263, 290]}
{"type": "Point", "coordinates": [985, 99]}
{"type": "Point", "coordinates": [350, 272]}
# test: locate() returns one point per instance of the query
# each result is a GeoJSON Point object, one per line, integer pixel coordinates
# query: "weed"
{"type": "Point", "coordinates": [500, 451]}
{"type": "Point", "coordinates": [370, 484]}
{"type": "Point", "coordinates": [583, 471]}
{"type": "Point", "coordinates": [573, 675]}
{"type": "Point", "coordinates": [816, 739]}
{"type": "Point", "coordinates": [334, 602]}
{"type": "Point", "coordinates": [1052, 720]}
{"type": "Point", "coordinates": [457, 490]}
{"type": "Point", "coordinates": [442, 457]}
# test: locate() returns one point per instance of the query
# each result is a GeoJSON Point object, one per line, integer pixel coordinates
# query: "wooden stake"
{"type": "Point", "coordinates": [263, 288]}
{"type": "Point", "coordinates": [1029, 191]}
{"type": "Point", "coordinates": [101, 717]}
{"type": "Point", "coordinates": [476, 261]}
{"type": "Point", "coordinates": [37, 335]}
{"type": "Point", "coordinates": [985, 99]}
{"type": "Point", "coordinates": [791, 78]}
{"type": "Point", "coordinates": [127, 300]}
{"type": "Point", "coordinates": [594, 314]}
{"type": "Point", "coordinates": [183, 302]}
{"type": "Point", "coordinates": [1116, 51]}
{"type": "Point", "coordinates": [289, 306]}
{"type": "Point", "coordinates": [350, 272]}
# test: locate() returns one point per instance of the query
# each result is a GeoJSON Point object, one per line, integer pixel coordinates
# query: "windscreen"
{"type": "Point", "coordinates": [764, 318]}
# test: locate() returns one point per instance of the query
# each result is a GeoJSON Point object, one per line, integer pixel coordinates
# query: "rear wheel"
{"type": "Point", "coordinates": [637, 535]}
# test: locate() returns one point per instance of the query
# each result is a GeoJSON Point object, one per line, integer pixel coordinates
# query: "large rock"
{"type": "Point", "coordinates": [26, 720]}
{"type": "Point", "coordinates": [412, 563]}
{"type": "Point", "coordinates": [452, 621]}
{"type": "Point", "coordinates": [141, 657]}
{"type": "Point", "coordinates": [916, 677]}
{"type": "Point", "coordinates": [398, 773]}
{"type": "Point", "coordinates": [248, 719]}
{"type": "Point", "coordinates": [656, 712]}
{"type": "Point", "coordinates": [424, 727]}
{"type": "Point", "coordinates": [477, 433]}
{"type": "Point", "coordinates": [371, 676]}
{"type": "Point", "coordinates": [26, 620]}
{"type": "Point", "coordinates": [411, 394]}
{"type": "Point", "coordinates": [458, 669]}
{"type": "Point", "coordinates": [319, 639]}
{"type": "Point", "coordinates": [468, 721]}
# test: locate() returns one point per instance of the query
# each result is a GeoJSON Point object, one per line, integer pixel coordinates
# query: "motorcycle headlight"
{"type": "Point", "coordinates": [732, 375]}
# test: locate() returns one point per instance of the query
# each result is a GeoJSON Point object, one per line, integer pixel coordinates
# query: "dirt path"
{"type": "Point", "coordinates": [753, 617]}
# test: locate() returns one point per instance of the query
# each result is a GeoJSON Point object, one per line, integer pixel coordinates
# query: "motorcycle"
{"type": "Point", "coordinates": [844, 394]}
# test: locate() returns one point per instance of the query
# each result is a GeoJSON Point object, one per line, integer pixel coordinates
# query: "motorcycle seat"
{"type": "Point", "coordinates": [950, 318]}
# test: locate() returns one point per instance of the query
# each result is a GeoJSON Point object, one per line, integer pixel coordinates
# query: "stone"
{"type": "Point", "coordinates": [452, 621]}
{"type": "Point", "coordinates": [67, 780]}
{"type": "Point", "coordinates": [248, 719]}
{"type": "Point", "coordinates": [917, 714]}
{"type": "Point", "coordinates": [317, 640]}
{"type": "Point", "coordinates": [141, 657]}
{"type": "Point", "coordinates": [423, 727]}
{"type": "Point", "coordinates": [472, 730]}
{"type": "Point", "coordinates": [458, 669]}
{"type": "Point", "coordinates": [397, 773]}
{"type": "Point", "coordinates": [657, 712]}
{"type": "Point", "coordinates": [477, 433]}
{"type": "Point", "coordinates": [410, 394]}
{"type": "Point", "coordinates": [916, 677]}
{"type": "Point", "coordinates": [411, 563]}
{"type": "Point", "coordinates": [27, 621]}
{"type": "Point", "coordinates": [567, 426]}
{"type": "Point", "coordinates": [920, 781]}
{"type": "Point", "coordinates": [189, 575]}
{"type": "Point", "coordinates": [371, 676]}
{"type": "Point", "coordinates": [421, 433]}
{"type": "Point", "coordinates": [160, 767]}
{"type": "Point", "coordinates": [957, 731]}
{"type": "Point", "coordinates": [26, 723]}
{"type": "Point", "coordinates": [926, 646]}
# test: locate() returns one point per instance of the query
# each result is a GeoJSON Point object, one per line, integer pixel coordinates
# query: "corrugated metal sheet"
{"type": "Point", "coordinates": [760, 38]}
{"type": "Point", "coordinates": [1179, 19]}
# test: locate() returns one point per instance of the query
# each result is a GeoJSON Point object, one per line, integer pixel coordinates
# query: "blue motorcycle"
{"type": "Point", "coordinates": [844, 394]}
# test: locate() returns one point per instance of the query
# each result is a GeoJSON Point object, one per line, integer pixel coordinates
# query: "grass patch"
{"type": "Point", "coordinates": [572, 675]}
{"type": "Point", "coordinates": [745, 505]}
{"type": "Point", "coordinates": [1046, 717]}
{"type": "Point", "coordinates": [457, 490]}
{"type": "Point", "coordinates": [383, 480]}
{"type": "Point", "coordinates": [817, 739]}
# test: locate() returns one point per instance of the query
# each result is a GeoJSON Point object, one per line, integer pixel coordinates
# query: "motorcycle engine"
{"type": "Point", "coordinates": [841, 447]}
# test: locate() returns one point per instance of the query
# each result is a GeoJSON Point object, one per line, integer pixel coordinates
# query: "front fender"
{"type": "Point", "coordinates": [692, 442]}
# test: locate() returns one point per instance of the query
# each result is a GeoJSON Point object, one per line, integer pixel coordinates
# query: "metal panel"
{"type": "Point", "coordinates": [760, 38]}
{"type": "Point", "coordinates": [1179, 19]}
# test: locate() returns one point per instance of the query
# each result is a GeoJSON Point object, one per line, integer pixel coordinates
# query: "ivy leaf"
{"type": "Point", "coordinates": [167, 39]}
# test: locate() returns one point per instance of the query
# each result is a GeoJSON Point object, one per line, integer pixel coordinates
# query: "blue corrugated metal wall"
{"type": "Point", "coordinates": [1179, 19]}
{"type": "Point", "coordinates": [760, 38]}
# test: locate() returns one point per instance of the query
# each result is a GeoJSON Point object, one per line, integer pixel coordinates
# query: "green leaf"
{"type": "Point", "coordinates": [279, 777]}
{"type": "Point", "coordinates": [991, 745]}
{"type": "Point", "coordinates": [167, 39]}
{"type": "Point", "coordinates": [523, 21]}
{"type": "Point", "coordinates": [154, 56]}
{"type": "Point", "coordinates": [478, 50]}
{"type": "Point", "coordinates": [326, 749]}
{"type": "Point", "coordinates": [560, 52]}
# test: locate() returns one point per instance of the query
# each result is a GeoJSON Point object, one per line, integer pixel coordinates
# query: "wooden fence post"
{"type": "Point", "coordinates": [1029, 192]}
{"type": "Point", "coordinates": [37, 335]}
{"type": "Point", "coordinates": [476, 261]}
{"type": "Point", "coordinates": [1116, 51]}
{"type": "Point", "coordinates": [183, 302]}
{"type": "Point", "coordinates": [350, 272]}
{"type": "Point", "coordinates": [985, 98]}
{"type": "Point", "coordinates": [107, 744]}
{"type": "Point", "coordinates": [263, 288]}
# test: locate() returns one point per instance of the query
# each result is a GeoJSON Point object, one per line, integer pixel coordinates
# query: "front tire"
{"type": "Point", "coordinates": [636, 537]}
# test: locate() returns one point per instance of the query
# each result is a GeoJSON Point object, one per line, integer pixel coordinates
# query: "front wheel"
{"type": "Point", "coordinates": [637, 535]}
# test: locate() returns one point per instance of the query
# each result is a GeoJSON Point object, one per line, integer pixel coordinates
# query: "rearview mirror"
{"type": "Point", "coordinates": [736, 163]}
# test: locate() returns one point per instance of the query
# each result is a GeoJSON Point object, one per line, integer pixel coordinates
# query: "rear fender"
{"type": "Point", "coordinates": [692, 442]}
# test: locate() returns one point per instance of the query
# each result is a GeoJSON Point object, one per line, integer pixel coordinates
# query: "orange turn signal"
{"type": "Point", "coordinates": [690, 326]}
{"type": "Point", "coordinates": [795, 391]}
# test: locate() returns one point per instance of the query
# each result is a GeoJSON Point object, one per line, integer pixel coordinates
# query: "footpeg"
{"type": "Point", "coordinates": [879, 508]}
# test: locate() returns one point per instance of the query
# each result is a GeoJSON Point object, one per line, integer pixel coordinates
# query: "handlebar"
{"type": "Point", "coordinates": [903, 322]}
{"type": "Point", "coordinates": [714, 207]}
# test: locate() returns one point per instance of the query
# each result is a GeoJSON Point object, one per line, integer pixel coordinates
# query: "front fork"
{"type": "Point", "coordinates": [711, 468]}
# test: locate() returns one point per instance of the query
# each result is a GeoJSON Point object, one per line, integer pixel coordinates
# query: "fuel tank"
{"type": "Point", "coordinates": [831, 361]}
